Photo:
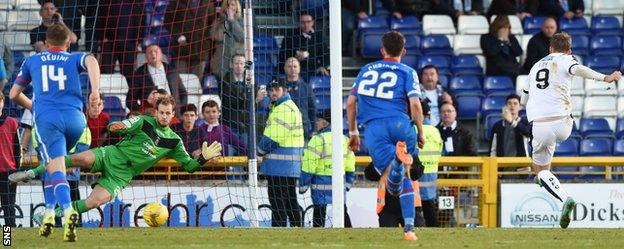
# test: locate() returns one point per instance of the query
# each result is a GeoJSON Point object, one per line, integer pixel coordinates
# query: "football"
{"type": "Point", "coordinates": [155, 214]}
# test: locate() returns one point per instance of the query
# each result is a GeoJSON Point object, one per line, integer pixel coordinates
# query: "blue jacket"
{"type": "Point", "coordinates": [301, 93]}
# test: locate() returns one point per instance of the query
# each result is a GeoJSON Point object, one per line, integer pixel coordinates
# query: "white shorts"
{"type": "Point", "coordinates": [546, 134]}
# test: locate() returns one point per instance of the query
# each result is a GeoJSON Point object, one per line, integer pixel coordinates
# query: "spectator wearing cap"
{"type": "Point", "coordinates": [280, 150]}
{"type": "Point", "coordinates": [316, 170]}
{"type": "Point", "coordinates": [192, 136]}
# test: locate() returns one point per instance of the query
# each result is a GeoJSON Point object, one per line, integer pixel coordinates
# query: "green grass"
{"type": "Point", "coordinates": [324, 238]}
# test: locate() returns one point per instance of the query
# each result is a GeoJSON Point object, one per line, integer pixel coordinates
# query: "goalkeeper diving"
{"type": "Point", "coordinates": [146, 140]}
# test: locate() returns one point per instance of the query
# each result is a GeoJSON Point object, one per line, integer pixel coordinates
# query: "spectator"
{"type": "Point", "coordinates": [309, 47]}
{"type": "Point", "coordinates": [458, 141]}
{"type": "Point", "coordinates": [227, 44]}
{"type": "Point", "coordinates": [191, 135]}
{"type": "Point", "coordinates": [235, 96]}
{"type": "Point", "coordinates": [510, 135]}
{"type": "Point", "coordinates": [188, 22]}
{"type": "Point", "coordinates": [429, 156]}
{"type": "Point", "coordinates": [316, 170]}
{"type": "Point", "coordinates": [119, 33]}
{"type": "Point", "coordinates": [97, 121]}
{"type": "Point", "coordinates": [433, 92]}
{"type": "Point", "coordinates": [556, 8]}
{"type": "Point", "coordinates": [6, 64]}
{"type": "Point", "coordinates": [154, 74]}
{"type": "Point", "coordinates": [352, 12]}
{"type": "Point", "coordinates": [147, 107]}
{"type": "Point", "coordinates": [49, 16]}
{"type": "Point", "coordinates": [132, 114]}
{"type": "Point", "coordinates": [9, 163]}
{"type": "Point", "coordinates": [456, 8]}
{"type": "Point", "coordinates": [280, 149]}
{"type": "Point", "coordinates": [501, 48]}
{"type": "Point", "coordinates": [539, 44]}
{"type": "Point", "coordinates": [72, 10]}
{"type": "Point", "coordinates": [400, 8]}
{"type": "Point", "coordinates": [507, 7]}
{"type": "Point", "coordinates": [220, 132]}
{"type": "Point", "coordinates": [301, 93]}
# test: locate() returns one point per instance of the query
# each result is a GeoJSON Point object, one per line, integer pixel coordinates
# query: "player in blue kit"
{"type": "Point", "coordinates": [57, 110]}
{"type": "Point", "coordinates": [382, 92]}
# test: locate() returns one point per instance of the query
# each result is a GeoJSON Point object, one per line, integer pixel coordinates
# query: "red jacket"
{"type": "Point", "coordinates": [10, 153]}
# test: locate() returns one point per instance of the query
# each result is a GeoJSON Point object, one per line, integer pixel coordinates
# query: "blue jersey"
{"type": "Point", "coordinates": [383, 89]}
{"type": "Point", "coordinates": [55, 77]}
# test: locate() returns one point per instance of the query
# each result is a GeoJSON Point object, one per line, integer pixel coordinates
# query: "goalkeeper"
{"type": "Point", "coordinates": [146, 140]}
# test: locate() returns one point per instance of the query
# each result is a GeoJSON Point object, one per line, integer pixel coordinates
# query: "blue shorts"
{"type": "Point", "coordinates": [381, 136]}
{"type": "Point", "coordinates": [58, 131]}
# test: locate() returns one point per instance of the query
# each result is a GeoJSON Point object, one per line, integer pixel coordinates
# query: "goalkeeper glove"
{"type": "Point", "coordinates": [212, 151]}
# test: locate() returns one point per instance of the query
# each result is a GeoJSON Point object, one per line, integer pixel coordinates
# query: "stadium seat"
{"type": "Point", "coordinates": [465, 84]}
{"type": "Point", "coordinates": [191, 83]}
{"type": "Point", "coordinates": [412, 44]}
{"type": "Point", "coordinates": [265, 44]}
{"type": "Point", "coordinates": [113, 84]}
{"type": "Point", "coordinates": [468, 106]}
{"type": "Point", "coordinates": [595, 127]}
{"type": "Point", "coordinates": [605, 25]}
{"type": "Point", "coordinates": [466, 65]}
{"type": "Point", "coordinates": [568, 147]}
{"type": "Point", "coordinates": [370, 44]}
{"type": "Point", "coordinates": [514, 21]}
{"type": "Point", "coordinates": [605, 45]}
{"type": "Point", "coordinates": [438, 24]}
{"type": "Point", "coordinates": [521, 83]}
{"type": "Point", "coordinates": [23, 20]}
{"type": "Point", "coordinates": [444, 81]}
{"type": "Point", "coordinates": [580, 45]}
{"type": "Point", "coordinates": [523, 40]}
{"type": "Point", "coordinates": [618, 147]}
{"type": "Point", "coordinates": [406, 25]}
{"type": "Point", "coordinates": [601, 106]}
{"type": "Point", "coordinates": [596, 147]}
{"type": "Point", "coordinates": [264, 63]}
{"type": "Point", "coordinates": [498, 84]}
{"type": "Point", "coordinates": [593, 87]}
{"type": "Point", "coordinates": [620, 107]}
{"type": "Point", "coordinates": [114, 108]}
{"type": "Point", "coordinates": [577, 105]}
{"type": "Point", "coordinates": [490, 120]}
{"type": "Point", "coordinates": [533, 24]}
{"type": "Point", "coordinates": [578, 86]}
{"type": "Point", "coordinates": [592, 173]}
{"type": "Point", "coordinates": [492, 104]}
{"type": "Point", "coordinates": [373, 23]}
{"type": "Point", "coordinates": [605, 64]}
{"type": "Point", "coordinates": [205, 97]}
{"type": "Point", "coordinates": [619, 128]}
{"type": "Point", "coordinates": [436, 45]}
{"type": "Point", "coordinates": [210, 85]}
{"type": "Point", "coordinates": [472, 25]}
{"type": "Point", "coordinates": [18, 41]}
{"type": "Point", "coordinates": [410, 60]}
{"type": "Point", "coordinates": [467, 44]}
{"type": "Point", "coordinates": [322, 102]}
{"type": "Point", "coordinates": [607, 7]}
{"type": "Point", "coordinates": [6, 6]}
{"type": "Point", "coordinates": [574, 26]}
{"type": "Point", "coordinates": [320, 84]}
{"type": "Point", "coordinates": [262, 78]}
{"type": "Point", "coordinates": [439, 61]}
{"type": "Point", "coordinates": [27, 5]}
{"type": "Point", "coordinates": [3, 19]}
{"type": "Point", "coordinates": [620, 87]}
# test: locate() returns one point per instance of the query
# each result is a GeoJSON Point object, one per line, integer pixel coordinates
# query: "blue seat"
{"type": "Point", "coordinates": [320, 84]}
{"type": "Point", "coordinates": [596, 172]}
{"type": "Point", "coordinates": [373, 23]}
{"type": "Point", "coordinates": [595, 127]}
{"type": "Point", "coordinates": [619, 128]}
{"type": "Point", "coordinates": [466, 65]}
{"type": "Point", "coordinates": [574, 26]}
{"type": "Point", "coordinates": [605, 25]}
{"type": "Point", "coordinates": [323, 102]}
{"type": "Point", "coordinates": [114, 108]}
{"type": "Point", "coordinates": [533, 24]}
{"type": "Point", "coordinates": [618, 147]}
{"type": "Point", "coordinates": [406, 25]}
{"type": "Point", "coordinates": [490, 120]}
{"type": "Point", "coordinates": [605, 45]}
{"type": "Point", "coordinates": [498, 84]}
{"type": "Point", "coordinates": [465, 84]}
{"type": "Point", "coordinates": [605, 64]}
{"type": "Point", "coordinates": [210, 85]}
{"type": "Point", "coordinates": [436, 45]}
{"type": "Point", "coordinates": [265, 44]}
{"type": "Point", "coordinates": [596, 147]}
{"type": "Point", "coordinates": [412, 44]}
{"type": "Point", "coordinates": [441, 62]}
{"type": "Point", "coordinates": [468, 106]}
{"type": "Point", "coordinates": [580, 45]}
{"type": "Point", "coordinates": [560, 172]}
{"type": "Point", "coordinates": [264, 63]}
{"type": "Point", "coordinates": [568, 147]}
{"type": "Point", "coordinates": [263, 79]}
{"type": "Point", "coordinates": [492, 104]}
{"type": "Point", "coordinates": [444, 81]}
{"type": "Point", "coordinates": [370, 44]}
{"type": "Point", "coordinates": [410, 60]}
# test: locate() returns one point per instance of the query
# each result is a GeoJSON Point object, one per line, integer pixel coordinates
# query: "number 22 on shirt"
{"type": "Point", "coordinates": [48, 73]}
{"type": "Point", "coordinates": [387, 81]}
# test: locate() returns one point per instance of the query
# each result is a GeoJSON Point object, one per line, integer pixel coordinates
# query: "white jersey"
{"type": "Point", "coordinates": [549, 86]}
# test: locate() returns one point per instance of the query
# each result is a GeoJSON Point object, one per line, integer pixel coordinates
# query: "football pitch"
{"type": "Point", "coordinates": [323, 238]}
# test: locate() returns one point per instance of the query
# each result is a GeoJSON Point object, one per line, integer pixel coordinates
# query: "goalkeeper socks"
{"type": "Point", "coordinates": [61, 190]}
{"type": "Point", "coordinates": [80, 206]}
{"type": "Point", "coordinates": [48, 195]}
{"type": "Point", "coordinates": [407, 204]}
{"type": "Point", "coordinates": [552, 184]}
{"type": "Point", "coordinates": [395, 176]}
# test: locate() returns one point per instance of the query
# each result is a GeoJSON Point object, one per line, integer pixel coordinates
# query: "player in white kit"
{"type": "Point", "coordinates": [548, 106]}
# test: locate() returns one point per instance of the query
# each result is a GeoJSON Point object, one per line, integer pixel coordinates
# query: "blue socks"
{"type": "Point", "coordinates": [395, 176]}
{"type": "Point", "coordinates": [407, 204]}
{"type": "Point", "coordinates": [48, 194]}
{"type": "Point", "coordinates": [60, 186]}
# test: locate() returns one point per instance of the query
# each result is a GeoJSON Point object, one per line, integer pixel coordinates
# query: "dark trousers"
{"type": "Point", "coordinates": [430, 212]}
{"type": "Point", "coordinates": [390, 218]}
{"type": "Point", "coordinates": [112, 53]}
{"type": "Point", "coordinates": [320, 211]}
{"type": "Point", "coordinates": [7, 198]}
{"type": "Point", "coordinates": [74, 193]}
{"type": "Point", "coordinates": [283, 200]}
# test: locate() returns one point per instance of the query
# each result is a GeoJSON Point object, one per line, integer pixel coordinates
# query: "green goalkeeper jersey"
{"type": "Point", "coordinates": [145, 142]}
